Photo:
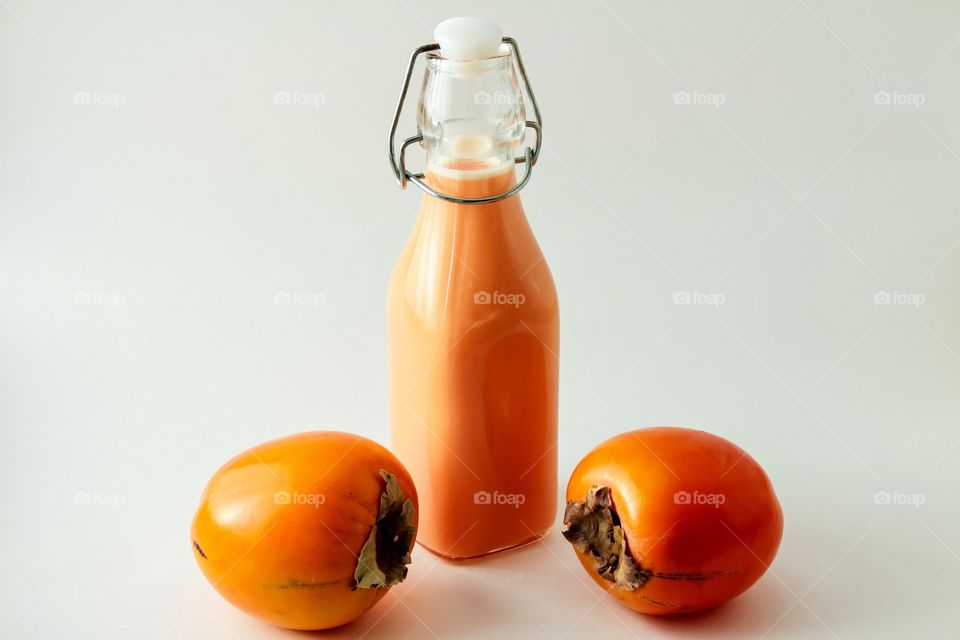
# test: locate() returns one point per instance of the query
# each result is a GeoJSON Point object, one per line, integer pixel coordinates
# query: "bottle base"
{"type": "Point", "coordinates": [498, 551]}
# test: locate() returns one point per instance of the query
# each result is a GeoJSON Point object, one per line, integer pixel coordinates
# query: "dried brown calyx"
{"type": "Point", "coordinates": [593, 527]}
{"type": "Point", "coordinates": [385, 555]}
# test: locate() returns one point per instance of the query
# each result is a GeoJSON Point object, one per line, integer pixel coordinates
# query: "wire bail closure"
{"type": "Point", "coordinates": [529, 158]}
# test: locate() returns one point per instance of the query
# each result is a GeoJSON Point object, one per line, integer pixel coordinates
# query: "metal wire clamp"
{"type": "Point", "coordinates": [529, 158]}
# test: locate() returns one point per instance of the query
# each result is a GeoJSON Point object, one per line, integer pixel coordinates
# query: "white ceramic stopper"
{"type": "Point", "coordinates": [468, 38]}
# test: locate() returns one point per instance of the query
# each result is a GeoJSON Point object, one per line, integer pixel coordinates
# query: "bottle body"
{"type": "Point", "coordinates": [473, 328]}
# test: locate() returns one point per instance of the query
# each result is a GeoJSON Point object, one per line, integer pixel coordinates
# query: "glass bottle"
{"type": "Point", "coordinates": [473, 317]}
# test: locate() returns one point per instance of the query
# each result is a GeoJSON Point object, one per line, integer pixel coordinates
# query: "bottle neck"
{"type": "Point", "coordinates": [472, 118]}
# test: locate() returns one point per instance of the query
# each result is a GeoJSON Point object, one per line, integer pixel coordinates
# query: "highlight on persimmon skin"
{"type": "Point", "coordinates": [307, 531]}
{"type": "Point", "coordinates": [672, 520]}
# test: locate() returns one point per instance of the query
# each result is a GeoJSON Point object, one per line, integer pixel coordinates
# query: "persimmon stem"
{"type": "Point", "coordinates": [593, 527]}
{"type": "Point", "coordinates": [385, 555]}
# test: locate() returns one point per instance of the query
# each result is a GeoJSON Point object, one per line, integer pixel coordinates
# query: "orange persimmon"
{"type": "Point", "coordinates": [672, 520]}
{"type": "Point", "coordinates": [307, 531]}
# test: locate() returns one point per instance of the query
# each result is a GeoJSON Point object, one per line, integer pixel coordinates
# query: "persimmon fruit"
{"type": "Point", "coordinates": [672, 520]}
{"type": "Point", "coordinates": [307, 531]}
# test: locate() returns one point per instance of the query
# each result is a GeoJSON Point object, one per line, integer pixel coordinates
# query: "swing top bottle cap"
{"type": "Point", "coordinates": [468, 38]}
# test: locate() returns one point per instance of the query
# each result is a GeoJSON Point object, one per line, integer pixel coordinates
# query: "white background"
{"type": "Point", "coordinates": [145, 235]}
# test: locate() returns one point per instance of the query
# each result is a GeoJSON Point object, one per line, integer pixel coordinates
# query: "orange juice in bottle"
{"type": "Point", "coordinates": [473, 318]}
